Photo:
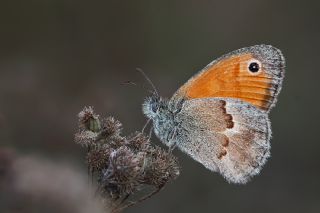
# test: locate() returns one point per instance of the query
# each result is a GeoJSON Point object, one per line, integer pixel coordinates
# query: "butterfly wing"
{"type": "Point", "coordinates": [229, 136]}
{"type": "Point", "coordinates": [223, 121]}
{"type": "Point", "coordinates": [252, 74]}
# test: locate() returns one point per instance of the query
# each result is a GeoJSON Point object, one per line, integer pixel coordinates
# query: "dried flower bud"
{"type": "Point", "coordinates": [98, 158]}
{"type": "Point", "coordinates": [161, 167]}
{"type": "Point", "coordinates": [111, 127]}
{"type": "Point", "coordinates": [123, 165]}
{"type": "Point", "coordinates": [124, 168]}
{"type": "Point", "coordinates": [138, 141]}
{"type": "Point", "coordinates": [89, 120]}
{"type": "Point", "coordinates": [86, 138]}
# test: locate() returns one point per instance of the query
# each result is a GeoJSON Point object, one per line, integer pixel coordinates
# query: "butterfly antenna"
{"type": "Point", "coordinates": [149, 81]}
{"type": "Point", "coordinates": [129, 83]}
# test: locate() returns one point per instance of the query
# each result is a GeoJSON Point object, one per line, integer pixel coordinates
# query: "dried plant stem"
{"type": "Point", "coordinates": [88, 167]}
{"type": "Point", "coordinates": [132, 203]}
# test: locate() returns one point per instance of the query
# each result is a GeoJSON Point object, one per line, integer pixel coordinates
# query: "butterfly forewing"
{"type": "Point", "coordinates": [252, 74]}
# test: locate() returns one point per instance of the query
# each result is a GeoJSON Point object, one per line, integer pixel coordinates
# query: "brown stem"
{"type": "Point", "coordinates": [88, 166]}
{"type": "Point", "coordinates": [138, 201]}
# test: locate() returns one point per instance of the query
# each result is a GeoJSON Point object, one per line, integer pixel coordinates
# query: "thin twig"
{"type": "Point", "coordinates": [89, 169]}
{"type": "Point", "coordinates": [129, 83]}
{"type": "Point", "coordinates": [122, 201]}
{"type": "Point", "coordinates": [138, 201]}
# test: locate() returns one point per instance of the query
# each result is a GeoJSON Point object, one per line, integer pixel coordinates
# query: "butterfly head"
{"type": "Point", "coordinates": [162, 113]}
{"type": "Point", "coordinates": [154, 106]}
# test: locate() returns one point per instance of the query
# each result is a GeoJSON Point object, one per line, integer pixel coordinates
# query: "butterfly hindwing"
{"type": "Point", "coordinates": [225, 135]}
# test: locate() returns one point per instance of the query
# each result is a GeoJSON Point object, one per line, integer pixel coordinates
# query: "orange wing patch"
{"type": "Point", "coordinates": [230, 77]}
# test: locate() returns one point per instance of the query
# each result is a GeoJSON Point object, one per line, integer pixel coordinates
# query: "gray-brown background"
{"type": "Point", "coordinates": [57, 56]}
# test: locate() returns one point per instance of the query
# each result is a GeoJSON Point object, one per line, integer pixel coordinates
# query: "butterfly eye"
{"type": "Point", "coordinates": [154, 108]}
{"type": "Point", "coordinates": [254, 67]}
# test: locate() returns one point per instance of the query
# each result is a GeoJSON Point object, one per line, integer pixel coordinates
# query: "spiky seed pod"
{"type": "Point", "coordinates": [111, 127]}
{"type": "Point", "coordinates": [123, 165]}
{"type": "Point", "coordinates": [138, 141]}
{"type": "Point", "coordinates": [121, 176]}
{"type": "Point", "coordinates": [86, 138]}
{"type": "Point", "coordinates": [161, 168]}
{"type": "Point", "coordinates": [89, 120]}
{"type": "Point", "coordinates": [98, 158]}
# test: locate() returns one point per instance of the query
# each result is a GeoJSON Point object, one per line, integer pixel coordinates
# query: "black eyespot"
{"type": "Point", "coordinates": [254, 67]}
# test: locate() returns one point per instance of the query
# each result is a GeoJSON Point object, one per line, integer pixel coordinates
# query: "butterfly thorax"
{"type": "Point", "coordinates": [163, 114]}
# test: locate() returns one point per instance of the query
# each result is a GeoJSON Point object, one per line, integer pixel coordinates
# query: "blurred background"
{"type": "Point", "coordinates": [58, 56]}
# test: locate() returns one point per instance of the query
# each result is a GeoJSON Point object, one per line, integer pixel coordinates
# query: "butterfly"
{"type": "Point", "coordinates": [220, 116]}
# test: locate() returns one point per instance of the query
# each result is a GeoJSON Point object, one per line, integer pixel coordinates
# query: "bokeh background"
{"type": "Point", "coordinates": [57, 56]}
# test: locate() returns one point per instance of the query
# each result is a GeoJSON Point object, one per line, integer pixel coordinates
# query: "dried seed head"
{"type": "Point", "coordinates": [121, 176]}
{"type": "Point", "coordinates": [98, 158]}
{"type": "Point", "coordinates": [111, 127]}
{"type": "Point", "coordinates": [86, 138]}
{"type": "Point", "coordinates": [123, 165]}
{"type": "Point", "coordinates": [161, 168]}
{"type": "Point", "coordinates": [138, 141]}
{"type": "Point", "coordinates": [89, 120]}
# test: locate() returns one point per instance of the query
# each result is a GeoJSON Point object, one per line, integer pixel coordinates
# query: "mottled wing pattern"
{"type": "Point", "coordinates": [228, 76]}
{"type": "Point", "coordinates": [229, 136]}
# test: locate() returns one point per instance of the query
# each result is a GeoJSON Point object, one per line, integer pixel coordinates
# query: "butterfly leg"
{"type": "Point", "coordinates": [145, 126]}
{"type": "Point", "coordinates": [172, 142]}
{"type": "Point", "coordinates": [150, 134]}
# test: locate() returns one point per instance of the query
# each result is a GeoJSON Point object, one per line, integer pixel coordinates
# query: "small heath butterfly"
{"type": "Point", "coordinates": [220, 116]}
